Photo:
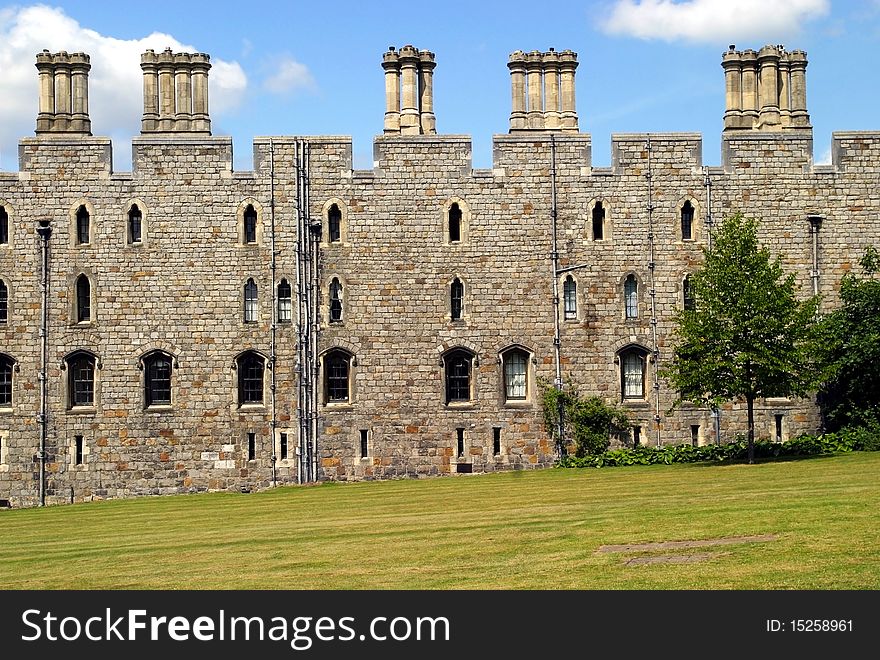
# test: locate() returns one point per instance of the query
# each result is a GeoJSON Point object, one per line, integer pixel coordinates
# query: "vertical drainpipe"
{"type": "Point", "coordinates": [557, 338]}
{"type": "Point", "coordinates": [815, 224]}
{"type": "Point", "coordinates": [44, 230]}
{"type": "Point", "coordinates": [272, 354]}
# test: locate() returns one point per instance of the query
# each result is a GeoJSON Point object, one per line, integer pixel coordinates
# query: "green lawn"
{"type": "Point", "coordinates": [532, 530]}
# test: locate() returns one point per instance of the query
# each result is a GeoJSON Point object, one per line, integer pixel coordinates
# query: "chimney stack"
{"type": "Point", "coordinates": [175, 92]}
{"type": "Point", "coordinates": [409, 91]}
{"type": "Point", "coordinates": [542, 91]}
{"type": "Point", "coordinates": [765, 91]}
{"type": "Point", "coordinates": [64, 93]}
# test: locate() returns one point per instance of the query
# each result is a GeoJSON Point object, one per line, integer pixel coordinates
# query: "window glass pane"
{"type": "Point", "coordinates": [250, 379]}
{"type": "Point", "coordinates": [134, 224]}
{"type": "Point", "coordinates": [569, 296]}
{"type": "Point", "coordinates": [4, 226]}
{"type": "Point", "coordinates": [335, 301]}
{"type": "Point", "coordinates": [337, 377]}
{"type": "Point", "coordinates": [285, 303]}
{"type": "Point", "coordinates": [250, 302]}
{"type": "Point", "coordinates": [250, 224]}
{"type": "Point", "coordinates": [631, 289]}
{"type": "Point", "coordinates": [458, 377]}
{"type": "Point", "coordinates": [633, 370]}
{"type": "Point", "coordinates": [83, 299]}
{"type": "Point", "coordinates": [5, 382]}
{"type": "Point", "coordinates": [515, 369]}
{"type": "Point", "coordinates": [4, 302]}
{"type": "Point", "coordinates": [456, 299]}
{"type": "Point", "coordinates": [82, 381]}
{"type": "Point", "coordinates": [158, 380]}
{"type": "Point", "coordinates": [82, 225]}
{"type": "Point", "coordinates": [334, 224]}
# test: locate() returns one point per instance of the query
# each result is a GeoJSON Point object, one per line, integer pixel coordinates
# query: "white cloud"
{"type": "Point", "coordinates": [115, 81]}
{"type": "Point", "coordinates": [712, 21]}
{"type": "Point", "coordinates": [289, 77]}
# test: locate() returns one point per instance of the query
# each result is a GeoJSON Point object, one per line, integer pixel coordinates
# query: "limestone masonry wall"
{"type": "Point", "coordinates": [180, 292]}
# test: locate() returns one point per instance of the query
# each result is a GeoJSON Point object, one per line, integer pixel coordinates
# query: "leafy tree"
{"type": "Point", "coordinates": [850, 347]}
{"type": "Point", "coordinates": [747, 335]}
{"type": "Point", "coordinates": [589, 421]}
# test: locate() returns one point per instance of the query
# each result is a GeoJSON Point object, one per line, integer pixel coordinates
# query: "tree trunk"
{"type": "Point", "coordinates": [750, 404]}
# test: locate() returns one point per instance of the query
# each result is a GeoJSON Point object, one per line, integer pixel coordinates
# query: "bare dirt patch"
{"type": "Point", "coordinates": [674, 559]}
{"type": "Point", "coordinates": [677, 545]}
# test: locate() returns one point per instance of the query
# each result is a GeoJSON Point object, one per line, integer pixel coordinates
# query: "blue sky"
{"type": "Point", "coordinates": [307, 68]}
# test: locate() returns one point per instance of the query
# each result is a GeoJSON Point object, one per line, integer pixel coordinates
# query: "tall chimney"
{"type": "Point", "coordinates": [175, 92]}
{"type": "Point", "coordinates": [64, 93]}
{"type": "Point", "coordinates": [409, 91]}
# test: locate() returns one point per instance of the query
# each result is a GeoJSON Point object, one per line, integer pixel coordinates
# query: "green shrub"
{"type": "Point", "coordinates": [858, 439]}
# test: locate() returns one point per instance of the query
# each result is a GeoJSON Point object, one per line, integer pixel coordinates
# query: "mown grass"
{"type": "Point", "coordinates": [534, 530]}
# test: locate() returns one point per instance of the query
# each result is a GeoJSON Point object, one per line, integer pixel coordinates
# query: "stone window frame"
{"type": "Point", "coordinates": [239, 221]}
{"type": "Point", "coordinates": [325, 299]}
{"type": "Point", "coordinates": [4, 450]}
{"type": "Point", "coordinates": [473, 362]}
{"type": "Point", "coordinates": [351, 360]}
{"type": "Point", "coordinates": [606, 222]}
{"type": "Point", "coordinates": [66, 362]}
{"type": "Point", "coordinates": [696, 224]}
{"type": "Point", "coordinates": [14, 368]}
{"type": "Point", "coordinates": [325, 222]}
{"type": "Point", "coordinates": [290, 460]}
{"type": "Point", "coordinates": [142, 209]}
{"type": "Point", "coordinates": [73, 307]}
{"type": "Point", "coordinates": [464, 224]}
{"type": "Point", "coordinates": [144, 366]}
{"type": "Point", "coordinates": [71, 453]}
{"type": "Point", "coordinates": [530, 384]}
{"type": "Point", "coordinates": [238, 386]}
{"type": "Point", "coordinates": [10, 225]}
{"type": "Point", "coordinates": [73, 223]}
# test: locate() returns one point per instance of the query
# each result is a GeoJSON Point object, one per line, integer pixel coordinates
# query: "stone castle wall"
{"type": "Point", "coordinates": [181, 291]}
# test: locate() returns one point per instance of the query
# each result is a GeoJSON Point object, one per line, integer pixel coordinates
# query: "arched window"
{"type": "Point", "coordinates": [83, 299]}
{"type": "Point", "coordinates": [337, 373]}
{"type": "Point", "coordinates": [4, 302]}
{"type": "Point", "coordinates": [516, 371]}
{"type": "Point", "coordinates": [7, 366]}
{"type": "Point", "coordinates": [687, 221]}
{"type": "Point", "coordinates": [335, 301]}
{"type": "Point", "coordinates": [457, 364]}
{"type": "Point", "coordinates": [569, 299]}
{"type": "Point", "coordinates": [334, 223]}
{"type": "Point", "coordinates": [631, 296]}
{"type": "Point", "coordinates": [598, 222]}
{"type": "Point", "coordinates": [456, 299]}
{"type": "Point", "coordinates": [250, 224]}
{"type": "Point", "coordinates": [454, 223]}
{"type": "Point", "coordinates": [687, 293]}
{"type": "Point", "coordinates": [135, 227]}
{"type": "Point", "coordinates": [80, 379]}
{"type": "Point", "coordinates": [251, 308]}
{"type": "Point", "coordinates": [285, 302]}
{"type": "Point", "coordinates": [4, 226]}
{"type": "Point", "coordinates": [251, 367]}
{"type": "Point", "coordinates": [82, 226]}
{"type": "Point", "coordinates": [157, 379]}
{"type": "Point", "coordinates": [632, 373]}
